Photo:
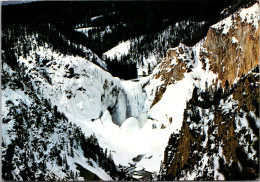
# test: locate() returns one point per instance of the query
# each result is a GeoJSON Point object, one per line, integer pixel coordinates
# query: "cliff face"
{"type": "Point", "coordinates": [232, 45]}
{"type": "Point", "coordinates": [178, 61]}
{"type": "Point", "coordinates": [219, 136]}
{"type": "Point", "coordinates": [230, 50]}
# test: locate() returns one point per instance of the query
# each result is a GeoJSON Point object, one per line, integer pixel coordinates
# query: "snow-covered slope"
{"type": "Point", "coordinates": [166, 116]}
{"type": "Point", "coordinates": [124, 49]}
{"type": "Point", "coordinates": [39, 143]}
{"type": "Point", "coordinates": [119, 50]}
{"type": "Point", "coordinates": [247, 15]}
{"type": "Point", "coordinates": [89, 97]}
{"type": "Point", "coordinates": [94, 100]}
{"type": "Point", "coordinates": [74, 84]}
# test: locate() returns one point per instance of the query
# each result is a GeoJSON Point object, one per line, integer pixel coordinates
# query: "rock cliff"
{"type": "Point", "coordinates": [219, 135]}
{"type": "Point", "coordinates": [232, 45]}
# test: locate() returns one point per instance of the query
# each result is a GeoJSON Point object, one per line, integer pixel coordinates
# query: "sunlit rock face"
{"type": "Point", "coordinates": [232, 45]}
{"type": "Point", "coordinates": [219, 136]}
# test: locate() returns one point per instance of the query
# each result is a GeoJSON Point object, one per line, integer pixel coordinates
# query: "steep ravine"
{"type": "Point", "coordinates": [184, 121]}
{"type": "Point", "coordinates": [200, 66]}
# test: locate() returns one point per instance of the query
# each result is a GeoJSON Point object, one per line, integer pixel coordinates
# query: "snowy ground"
{"type": "Point", "coordinates": [123, 48]}
{"type": "Point", "coordinates": [249, 15]}
{"type": "Point", "coordinates": [119, 50]}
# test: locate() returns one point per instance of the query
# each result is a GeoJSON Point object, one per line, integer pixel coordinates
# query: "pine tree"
{"type": "Point", "coordinates": [226, 86]}
{"type": "Point", "coordinates": [8, 166]}
{"type": "Point", "coordinates": [71, 151]}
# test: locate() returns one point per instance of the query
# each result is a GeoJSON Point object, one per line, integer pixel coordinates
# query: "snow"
{"type": "Point", "coordinates": [234, 40]}
{"type": "Point", "coordinates": [100, 104]}
{"type": "Point", "coordinates": [135, 96]}
{"type": "Point", "coordinates": [15, 96]}
{"type": "Point", "coordinates": [137, 177]}
{"type": "Point", "coordinates": [119, 50]}
{"type": "Point", "coordinates": [118, 112]}
{"type": "Point", "coordinates": [130, 140]}
{"type": "Point", "coordinates": [224, 25]}
{"type": "Point", "coordinates": [156, 141]}
{"type": "Point", "coordinates": [252, 114]}
{"type": "Point", "coordinates": [95, 35]}
{"type": "Point", "coordinates": [99, 92]}
{"type": "Point", "coordinates": [191, 176]}
{"type": "Point", "coordinates": [78, 158]}
{"type": "Point", "coordinates": [250, 15]}
{"type": "Point", "coordinates": [130, 125]}
{"type": "Point", "coordinates": [139, 168]}
{"type": "Point", "coordinates": [242, 123]}
{"type": "Point", "coordinates": [206, 127]}
{"type": "Point", "coordinates": [143, 68]}
{"type": "Point", "coordinates": [92, 81]}
{"type": "Point", "coordinates": [173, 101]}
{"type": "Point", "coordinates": [172, 104]}
{"type": "Point", "coordinates": [92, 56]}
{"type": "Point", "coordinates": [217, 175]}
{"type": "Point", "coordinates": [106, 118]}
{"type": "Point", "coordinates": [85, 30]}
{"type": "Point", "coordinates": [96, 17]}
{"type": "Point", "coordinates": [123, 48]}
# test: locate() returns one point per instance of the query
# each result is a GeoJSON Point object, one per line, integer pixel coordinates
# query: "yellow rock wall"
{"type": "Point", "coordinates": [231, 60]}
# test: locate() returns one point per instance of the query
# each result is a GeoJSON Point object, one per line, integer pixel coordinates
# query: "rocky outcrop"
{"type": "Point", "coordinates": [178, 61]}
{"type": "Point", "coordinates": [230, 50]}
{"type": "Point", "coordinates": [232, 45]}
{"type": "Point", "coordinates": [219, 137]}
{"type": "Point", "coordinates": [175, 64]}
